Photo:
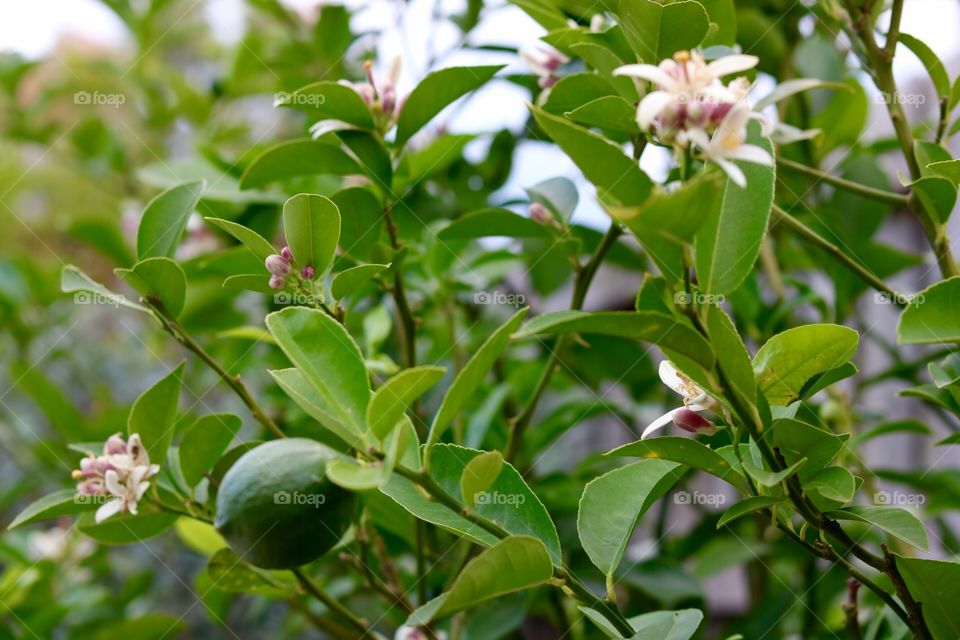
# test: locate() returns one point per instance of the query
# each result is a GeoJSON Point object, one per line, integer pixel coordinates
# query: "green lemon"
{"type": "Point", "coordinates": [276, 507]}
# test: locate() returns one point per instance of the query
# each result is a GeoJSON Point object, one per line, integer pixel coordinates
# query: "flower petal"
{"type": "Point", "coordinates": [650, 107]}
{"type": "Point", "coordinates": [733, 171]}
{"type": "Point", "coordinates": [112, 481]}
{"type": "Point", "coordinates": [751, 153]}
{"type": "Point", "coordinates": [644, 72]}
{"type": "Point", "coordinates": [670, 376]}
{"type": "Point", "coordinates": [731, 64]}
{"type": "Point", "coordinates": [108, 509]}
{"type": "Point", "coordinates": [660, 422]}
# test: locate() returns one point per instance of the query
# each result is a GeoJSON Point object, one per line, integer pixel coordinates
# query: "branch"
{"type": "Point", "coordinates": [887, 197]}
{"type": "Point", "coordinates": [311, 587]}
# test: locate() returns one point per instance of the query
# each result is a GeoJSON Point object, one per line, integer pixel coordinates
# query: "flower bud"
{"type": "Point", "coordinates": [286, 254]}
{"type": "Point", "coordinates": [276, 282]}
{"type": "Point", "coordinates": [277, 265]}
{"type": "Point", "coordinates": [307, 272]}
{"type": "Point", "coordinates": [540, 214]}
{"type": "Point", "coordinates": [693, 422]}
{"type": "Point", "coordinates": [115, 444]}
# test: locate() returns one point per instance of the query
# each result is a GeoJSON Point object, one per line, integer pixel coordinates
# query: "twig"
{"type": "Point", "coordinates": [331, 603]}
{"type": "Point", "coordinates": [880, 195]}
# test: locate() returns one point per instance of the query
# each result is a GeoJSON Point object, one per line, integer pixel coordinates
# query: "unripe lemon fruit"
{"type": "Point", "coordinates": [276, 507]}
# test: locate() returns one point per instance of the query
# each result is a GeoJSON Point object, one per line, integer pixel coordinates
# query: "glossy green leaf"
{"type": "Point", "coordinates": [158, 279]}
{"type": "Point", "coordinates": [53, 505]}
{"type": "Point", "coordinates": [311, 224]}
{"type": "Point", "coordinates": [657, 30]}
{"type": "Point", "coordinates": [949, 169]}
{"type": "Point", "coordinates": [321, 348]}
{"type": "Point", "coordinates": [612, 505]}
{"type": "Point", "coordinates": [304, 157]}
{"type": "Point", "coordinates": [479, 474]}
{"type": "Point", "coordinates": [732, 355]}
{"type": "Point", "coordinates": [250, 282]}
{"type": "Point", "coordinates": [328, 99]}
{"type": "Point", "coordinates": [360, 226]}
{"type": "Point", "coordinates": [770, 478]}
{"type": "Point", "coordinates": [513, 564]}
{"type": "Point", "coordinates": [246, 236]}
{"type": "Point", "coordinates": [125, 528]}
{"type": "Point", "coordinates": [648, 326]}
{"type": "Point", "coordinates": [435, 92]}
{"type": "Point", "coordinates": [575, 90]}
{"type": "Point", "coordinates": [395, 396]}
{"type": "Point", "coordinates": [834, 484]}
{"type": "Point", "coordinates": [898, 522]}
{"type": "Point", "coordinates": [229, 572]}
{"type": "Point", "coordinates": [933, 65]}
{"type": "Point", "coordinates": [204, 442]}
{"type": "Point", "coordinates": [493, 223]}
{"type": "Point", "coordinates": [935, 584]}
{"type": "Point", "coordinates": [349, 280]}
{"type": "Point", "coordinates": [932, 315]}
{"type": "Point", "coordinates": [559, 195]}
{"type": "Point", "coordinates": [154, 414]}
{"type": "Point", "coordinates": [789, 359]}
{"type": "Point", "coordinates": [471, 376]}
{"type": "Point", "coordinates": [615, 174]}
{"type": "Point", "coordinates": [165, 218]}
{"type": "Point", "coordinates": [611, 113]}
{"type": "Point", "coordinates": [728, 243]}
{"type": "Point", "coordinates": [667, 625]}
{"type": "Point", "coordinates": [86, 290]}
{"type": "Point", "coordinates": [746, 506]}
{"type": "Point", "coordinates": [685, 451]}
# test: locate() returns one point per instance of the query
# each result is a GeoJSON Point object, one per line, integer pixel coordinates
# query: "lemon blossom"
{"type": "Point", "coordinates": [381, 97]}
{"type": "Point", "coordinates": [544, 62]}
{"type": "Point", "coordinates": [695, 401]}
{"type": "Point", "coordinates": [121, 474]}
{"type": "Point", "coordinates": [728, 143]}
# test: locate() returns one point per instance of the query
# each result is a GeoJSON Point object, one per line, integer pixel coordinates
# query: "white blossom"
{"type": "Point", "coordinates": [695, 401]}
{"type": "Point", "coordinates": [121, 474]}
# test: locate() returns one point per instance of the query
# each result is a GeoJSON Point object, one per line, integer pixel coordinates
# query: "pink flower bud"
{"type": "Point", "coordinates": [277, 265]}
{"type": "Point", "coordinates": [286, 254]}
{"type": "Point", "coordinates": [540, 214]}
{"type": "Point", "coordinates": [693, 422]}
{"type": "Point", "coordinates": [388, 100]}
{"type": "Point", "coordinates": [88, 465]}
{"type": "Point", "coordinates": [115, 444]}
{"type": "Point", "coordinates": [307, 273]}
{"type": "Point", "coordinates": [276, 282]}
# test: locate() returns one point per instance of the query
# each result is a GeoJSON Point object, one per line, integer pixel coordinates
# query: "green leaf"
{"type": "Point", "coordinates": [360, 226]}
{"type": "Point", "coordinates": [898, 522]}
{"type": "Point", "coordinates": [250, 282]}
{"type": "Point", "coordinates": [303, 157]}
{"type": "Point", "coordinates": [728, 243]}
{"type": "Point", "coordinates": [835, 484]}
{"type": "Point", "coordinates": [685, 451]}
{"type": "Point", "coordinates": [732, 355]}
{"type": "Point", "coordinates": [649, 326]}
{"type": "Point", "coordinates": [231, 573]}
{"type": "Point", "coordinates": [559, 195]}
{"type": "Point", "coordinates": [493, 223]}
{"type": "Point", "coordinates": [349, 280]}
{"type": "Point", "coordinates": [770, 478]}
{"type": "Point", "coordinates": [311, 224]}
{"type": "Point", "coordinates": [938, 195]}
{"type": "Point", "coordinates": [723, 15]}
{"type": "Point", "coordinates": [479, 474]}
{"type": "Point", "coordinates": [932, 315]}
{"type": "Point", "coordinates": [949, 169]}
{"type": "Point", "coordinates": [602, 162]}
{"type": "Point", "coordinates": [199, 536]}
{"type": "Point", "coordinates": [53, 505]}
{"type": "Point", "coordinates": [89, 291]}
{"type": "Point", "coordinates": [748, 505]}
{"type": "Point", "coordinates": [395, 396]}
{"type": "Point", "coordinates": [435, 92]}
{"type": "Point", "coordinates": [165, 219]}
{"type": "Point", "coordinates": [331, 100]}
{"type": "Point", "coordinates": [154, 414]}
{"type": "Point", "coordinates": [789, 359]}
{"type": "Point", "coordinates": [612, 505]}
{"type": "Point", "coordinates": [935, 585]}
{"type": "Point", "coordinates": [510, 502]}
{"type": "Point", "coordinates": [471, 376]}
{"type": "Point", "coordinates": [354, 475]}
{"type": "Point", "coordinates": [544, 12]}
{"type": "Point", "coordinates": [513, 564]}
{"type": "Point", "coordinates": [656, 31]}
{"type": "Point", "coordinates": [324, 352]}
{"type": "Point", "coordinates": [611, 113]}
{"type": "Point", "coordinates": [907, 425]}
{"type": "Point", "coordinates": [933, 65]}
{"type": "Point", "coordinates": [204, 442]}
{"type": "Point", "coordinates": [125, 528]}
{"type": "Point", "coordinates": [575, 90]}
{"type": "Point", "coordinates": [160, 279]}
{"type": "Point", "coordinates": [246, 236]}
{"type": "Point", "coordinates": [667, 625]}
{"type": "Point", "coordinates": [372, 155]}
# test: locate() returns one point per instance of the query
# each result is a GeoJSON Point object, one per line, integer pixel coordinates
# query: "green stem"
{"type": "Point", "coordinates": [880, 195]}
{"type": "Point", "coordinates": [580, 287]}
{"type": "Point", "coordinates": [805, 232]}
{"type": "Point", "coordinates": [331, 603]}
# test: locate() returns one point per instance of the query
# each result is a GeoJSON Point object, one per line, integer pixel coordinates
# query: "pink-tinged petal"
{"type": "Point", "coordinates": [112, 481]}
{"type": "Point", "coordinates": [652, 106]}
{"type": "Point", "coordinates": [645, 72]}
{"type": "Point", "coordinates": [691, 421]}
{"type": "Point", "coordinates": [731, 64]}
{"type": "Point", "coordinates": [733, 171]}
{"type": "Point", "coordinates": [751, 153]}
{"type": "Point", "coordinates": [660, 423]}
{"type": "Point", "coordinates": [108, 509]}
{"type": "Point", "coordinates": [699, 137]}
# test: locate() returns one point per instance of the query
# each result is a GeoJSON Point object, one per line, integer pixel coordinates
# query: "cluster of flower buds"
{"type": "Point", "coordinates": [382, 97]}
{"type": "Point", "coordinates": [281, 265]}
{"type": "Point", "coordinates": [692, 106]}
{"type": "Point", "coordinates": [545, 62]}
{"type": "Point", "coordinates": [121, 473]}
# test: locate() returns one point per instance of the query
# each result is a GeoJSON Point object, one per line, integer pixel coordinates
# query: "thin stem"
{"type": "Point", "coordinates": [893, 34]}
{"type": "Point", "coordinates": [331, 603]}
{"type": "Point", "coordinates": [180, 335]}
{"type": "Point", "coordinates": [581, 285]}
{"type": "Point", "coordinates": [407, 322]}
{"type": "Point", "coordinates": [899, 299]}
{"type": "Point", "coordinates": [880, 195]}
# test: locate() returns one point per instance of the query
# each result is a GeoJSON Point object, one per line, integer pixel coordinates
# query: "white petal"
{"type": "Point", "coordinates": [645, 72]}
{"type": "Point", "coordinates": [733, 171]}
{"type": "Point", "coordinates": [751, 153]}
{"type": "Point", "coordinates": [112, 481]}
{"type": "Point", "coordinates": [731, 64]}
{"type": "Point", "coordinates": [660, 422]}
{"type": "Point", "coordinates": [670, 376]}
{"type": "Point", "coordinates": [651, 106]}
{"type": "Point", "coordinates": [142, 489]}
{"type": "Point", "coordinates": [108, 509]}
{"type": "Point", "coordinates": [323, 127]}
{"type": "Point", "coordinates": [700, 138]}
{"type": "Point", "coordinates": [393, 75]}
